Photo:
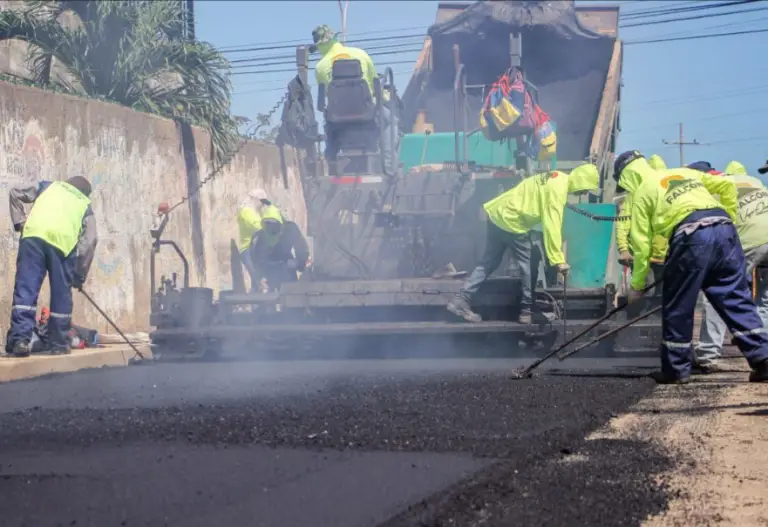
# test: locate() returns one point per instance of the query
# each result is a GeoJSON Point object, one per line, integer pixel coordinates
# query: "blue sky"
{"type": "Point", "coordinates": [717, 87]}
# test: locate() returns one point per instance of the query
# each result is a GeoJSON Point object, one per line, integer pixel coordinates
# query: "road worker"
{"type": "Point", "coordinates": [58, 237]}
{"type": "Point", "coordinates": [659, 245]}
{"type": "Point", "coordinates": [327, 43]}
{"type": "Point", "coordinates": [752, 226]}
{"type": "Point", "coordinates": [248, 224]}
{"type": "Point", "coordinates": [279, 249]}
{"type": "Point", "coordinates": [704, 254]}
{"type": "Point", "coordinates": [540, 199]}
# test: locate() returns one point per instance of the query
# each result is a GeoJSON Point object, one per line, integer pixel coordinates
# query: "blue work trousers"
{"type": "Point", "coordinates": [497, 242]}
{"type": "Point", "coordinates": [713, 328]}
{"type": "Point", "coordinates": [710, 259]}
{"type": "Point", "coordinates": [36, 258]}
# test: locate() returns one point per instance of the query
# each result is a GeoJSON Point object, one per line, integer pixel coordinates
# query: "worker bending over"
{"type": "Point", "coordinates": [511, 216]}
{"type": "Point", "coordinates": [331, 49]}
{"type": "Point", "coordinates": [704, 254]}
{"type": "Point", "coordinates": [58, 237]}
{"type": "Point", "coordinates": [279, 249]}
{"type": "Point", "coordinates": [752, 226]}
{"type": "Point", "coordinates": [248, 224]}
{"type": "Point", "coordinates": [659, 245]}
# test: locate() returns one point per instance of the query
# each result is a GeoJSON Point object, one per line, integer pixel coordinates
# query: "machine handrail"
{"type": "Point", "coordinates": [460, 110]}
{"type": "Point", "coordinates": [389, 82]}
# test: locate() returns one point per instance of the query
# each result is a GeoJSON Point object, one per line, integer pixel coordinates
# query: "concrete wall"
{"type": "Point", "coordinates": [134, 161]}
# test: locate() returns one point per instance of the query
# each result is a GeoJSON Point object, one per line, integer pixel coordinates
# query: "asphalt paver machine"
{"type": "Point", "coordinates": [391, 247]}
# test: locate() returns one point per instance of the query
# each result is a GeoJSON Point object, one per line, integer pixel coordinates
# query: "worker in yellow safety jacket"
{"type": "Point", "coordinates": [58, 238]}
{"type": "Point", "coordinates": [327, 43]}
{"type": "Point", "coordinates": [752, 226]}
{"type": "Point", "coordinates": [659, 245]}
{"type": "Point", "coordinates": [704, 254]}
{"type": "Point", "coordinates": [248, 224]}
{"type": "Point", "coordinates": [540, 199]}
{"type": "Point", "coordinates": [279, 251]}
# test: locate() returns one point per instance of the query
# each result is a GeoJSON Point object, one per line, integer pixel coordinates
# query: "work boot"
{"type": "Point", "coordinates": [707, 368]}
{"type": "Point", "coordinates": [21, 349]}
{"type": "Point", "coordinates": [460, 307]}
{"type": "Point", "coordinates": [759, 373]}
{"type": "Point", "coordinates": [525, 318]}
{"type": "Point", "coordinates": [662, 378]}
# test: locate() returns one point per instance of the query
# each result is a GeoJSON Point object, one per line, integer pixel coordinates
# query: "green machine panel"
{"type": "Point", "coordinates": [588, 244]}
{"type": "Point", "coordinates": [440, 149]}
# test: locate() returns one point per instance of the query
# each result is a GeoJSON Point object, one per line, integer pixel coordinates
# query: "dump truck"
{"type": "Point", "coordinates": [390, 247]}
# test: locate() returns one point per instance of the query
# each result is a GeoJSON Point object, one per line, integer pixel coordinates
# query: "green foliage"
{"type": "Point", "coordinates": [265, 130]}
{"type": "Point", "coordinates": [129, 53]}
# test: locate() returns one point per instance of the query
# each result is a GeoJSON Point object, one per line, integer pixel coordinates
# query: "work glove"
{"type": "Point", "coordinates": [625, 258]}
{"type": "Point", "coordinates": [18, 227]}
{"type": "Point", "coordinates": [292, 264]}
{"type": "Point", "coordinates": [78, 281]}
{"type": "Point", "coordinates": [563, 269]}
{"type": "Point", "coordinates": [634, 295]}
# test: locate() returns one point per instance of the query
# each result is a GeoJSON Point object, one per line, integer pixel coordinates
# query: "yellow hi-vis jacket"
{"type": "Point", "coordinates": [57, 216]}
{"type": "Point", "coordinates": [248, 224]}
{"type": "Point", "coordinates": [541, 199]}
{"type": "Point", "coordinates": [660, 244]}
{"type": "Point", "coordinates": [734, 168]}
{"type": "Point", "coordinates": [335, 51]}
{"type": "Point", "coordinates": [752, 223]}
{"type": "Point", "coordinates": [661, 200]}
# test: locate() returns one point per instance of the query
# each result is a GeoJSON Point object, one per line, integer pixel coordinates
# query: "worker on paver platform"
{"type": "Point", "coordinates": [279, 250]}
{"type": "Point", "coordinates": [511, 216]}
{"type": "Point", "coordinates": [248, 224]}
{"type": "Point", "coordinates": [659, 245]}
{"type": "Point", "coordinates": [752, 226]}
{"type": "Point", "coordinates": [704, 254]}
{"type": "Point", "coordinates": [58, 237]}
{"type": "Point", "coordinates": [331, 49]}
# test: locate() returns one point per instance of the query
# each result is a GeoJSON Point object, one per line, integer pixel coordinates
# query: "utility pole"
{"type": "Point", "coordinates": [681, 142]}
{"type": "Point", "coordinates": [343, 4]}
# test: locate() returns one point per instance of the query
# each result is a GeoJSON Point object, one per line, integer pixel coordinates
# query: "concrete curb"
{"type": "Point", "coordinates": [12, 369]}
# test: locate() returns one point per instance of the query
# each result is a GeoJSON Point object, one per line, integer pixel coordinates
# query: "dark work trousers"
{"type": "Point", "coordinates": [277, 273]}
{"type": "Point", "coordinates": [36, 258]}
{"type": "Point", "coordinates": [245, 257]}
{"type": "Point", "coordinates": [709, 259]}
{"type": "Point", "coordinates": [497, 242]}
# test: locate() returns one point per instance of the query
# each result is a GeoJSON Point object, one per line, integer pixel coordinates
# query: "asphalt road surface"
{"type": "Point", "coordinates": [334, 443]}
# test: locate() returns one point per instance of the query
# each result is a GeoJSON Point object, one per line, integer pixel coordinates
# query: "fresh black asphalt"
{"type": "Point", "coordinates": [334, 443]}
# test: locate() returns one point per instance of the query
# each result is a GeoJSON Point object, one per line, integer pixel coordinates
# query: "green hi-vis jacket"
{"type": "Point", "coordinates": [541, 199]}
{"type": "Point", "coordinates": [662, 199]}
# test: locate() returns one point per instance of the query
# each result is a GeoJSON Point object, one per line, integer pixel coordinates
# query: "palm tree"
{"type": "Point", "coordinates": [130, 53]}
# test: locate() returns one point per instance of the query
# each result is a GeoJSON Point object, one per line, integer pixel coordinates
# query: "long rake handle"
{"type": "Point", "coordinates": [562, 346]}
{"type": "Point", "coordinates": [609, 333]}
{"type": "Point", "coordinates": [111, 323]}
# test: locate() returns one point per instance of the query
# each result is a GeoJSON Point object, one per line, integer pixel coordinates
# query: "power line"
{"type": "Point", "coordinates": [256, 60]}
{"type": "Point", "coordinates": [293, 70]}
{"type": "Point", "coordinates": [697, 17]}
{"type": "Point", "coordinates": [290, 44]}
{"type": "Point", "coordinates": [696, 37]}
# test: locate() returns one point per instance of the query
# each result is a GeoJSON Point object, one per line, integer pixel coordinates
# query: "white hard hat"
{"type": "Point", "coordinates": [258, 194]}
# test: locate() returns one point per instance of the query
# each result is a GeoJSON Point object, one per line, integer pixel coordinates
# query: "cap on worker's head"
{"type": "Point", "coordinates": [623, 160]}
{"type": "Point", "coordinates": [584, 178]}
{"type": "Point", "coordinates": [81, 184]}
{"type": "Point", "coordinates": [270, 213]}
{"type": "Point", "coordinates": [656, 162]}
{"type": "Point", "coordinates": [259, 194]}
{"type": "Point", "coordinates": [734, 168]}
{"type": "Point", "coordinates": [323, 34]}
{"type": "Point", "coordinates": [701, 166]}
{"type": "Point", "coordinates": [763, 169]}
